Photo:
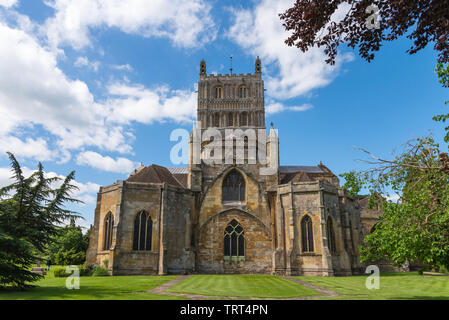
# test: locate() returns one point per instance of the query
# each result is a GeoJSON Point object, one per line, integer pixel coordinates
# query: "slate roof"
{"type": "Point", "coordinates": [292, 169]}
{"type": "Point", "coordinates": [155, 174]}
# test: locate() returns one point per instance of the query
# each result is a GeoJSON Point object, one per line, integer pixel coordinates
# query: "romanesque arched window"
{"type": "Point", "coordinates": [230, 120]}
{"type": "Point", "coordinates": [218, 92]}
{"type": "Point", "coordinates": [143, 226]}
{"type": "Point", "coordinates": [244, 119]}
{"type": "Point", "coordinates": [108, 225]}
{"type": "Point", "coordinates": [331, 236]}
{"type": "Point", "coordinates": [243, 92]}
{"type": "Point", "coordinates": [233, 188]}
{"type": "Point", "coordinates": [234, 240]}
{"type": "Point", "coordinates": [216, 119]}
{"type": "Point", "coordinates": [307, 234]}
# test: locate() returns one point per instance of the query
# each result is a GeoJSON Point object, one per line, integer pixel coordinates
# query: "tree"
{"type": "Point", "coordinates": [353, 183]}
{"type": "Point", "coordinates": [69, 248]}
{"type": "Point", "coordinates": [416, 228]}
{"type": "Point", "coordinates": [443, 76]}
{"type": "Point", "coordinates": [31, 212]}
{"type": "Point", "coordinates": [311, 25]}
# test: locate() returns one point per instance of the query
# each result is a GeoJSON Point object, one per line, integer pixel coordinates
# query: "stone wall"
{"type": "Point", "coordinates": [257, 245]}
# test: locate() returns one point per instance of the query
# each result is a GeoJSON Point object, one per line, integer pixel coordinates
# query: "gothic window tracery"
{"type": "Point", "coordinates": [307, 234]}
{"type": "Point", "coordinates": [143, 226]}
{"type": "Point", "coordinates": [233, 188]}
{"type": "Point", "coordinates": [234, 240]}
{"type": "Point", "coordinates": [331, 236]}
{"type": "Point", "coordinates": [108, 225]}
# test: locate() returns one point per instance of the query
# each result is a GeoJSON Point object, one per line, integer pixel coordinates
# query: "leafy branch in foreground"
{"type": "Point", "coordinates": [31, 214]}
{"type": "Point", "coordinates": [316, 23]}
{"type": "Point", "coordinates": [417, 227]}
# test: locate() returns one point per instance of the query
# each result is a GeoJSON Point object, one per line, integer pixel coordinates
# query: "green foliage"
{"type": "Point", "coordinates": [443, 76]}
{"type": "Point", "coordinates": [100, 272]}
{"type": "Point", "coordinates": [353, 183]}
{"type": "Point", "coordinates": [106, 263]}
{"type": "Point", "coordinates": [30, 212]}
{"type": "Point", "coordinates": [69, 247]}
{"type": "Point", "coordinates": [60, 272]}
{"type": "Point", "coordinates": [416, 228]}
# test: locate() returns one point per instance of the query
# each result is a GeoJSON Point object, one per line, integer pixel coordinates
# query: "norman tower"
{"type": "Point", "coordinates": [231, 100]}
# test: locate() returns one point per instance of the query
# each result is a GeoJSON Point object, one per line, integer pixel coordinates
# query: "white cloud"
{"type": "Point", "coordinates": [34, 92]}
{"type": "Point", "coordinates": [185, 23]}
{"type": "Point", "coordinates": [30, 148]}
{"type": "Point", "coordinates": [125, 67]}
{"type": "Point", "coordinates": [86, 191]}
{"type": "Point", "coordinates": [137, 103]}
{"type": "Point", "coordinates": [291, 73]}
{"type": "Point", "coordinates": [84, 62]}
{"type": "Point", "coordinates": [276, 107]}
{"type": "Point", "coordinates": [393, 197]}
{"type": "Point", "coordinates": [96, 160]}
{"type": "Point", "coordinates": [8, 3]}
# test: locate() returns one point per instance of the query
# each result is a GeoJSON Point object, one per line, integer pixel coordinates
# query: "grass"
{"type": "Point", "coordinates": [396, 286]}
{"type": "Point", "coordinates": [392, 286]}
{"type": "Point", "coordinates": [93, 288]}
{"type": "Point", "coordinates": [259, 286]}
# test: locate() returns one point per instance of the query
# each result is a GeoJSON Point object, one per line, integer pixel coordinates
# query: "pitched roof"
{"type": "Point", "coordinates": [155, 174]}
{"type": "Point", "coordinates": [294, 169]}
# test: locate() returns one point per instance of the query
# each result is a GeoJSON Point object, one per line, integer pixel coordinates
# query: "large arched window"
{"type": "Point", "coordinates": [108, 225]}
{"type": "Point", "coordinates": [143, 226]}
{"type": "Point", "coordinates": [307, 234]}
{"type": "Point", "coordinates": [234, 240]}
{"type": "Point", "coordinates": [233, 187]}
{"type": "Point", "coordinates": [331, 236]}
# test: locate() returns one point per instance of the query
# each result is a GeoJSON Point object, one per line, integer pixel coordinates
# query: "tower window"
{"type": "Point", "coordinates": [143, 226]}
{"type": "Point", "coordinates": [218, 92]}
{"type": "Point", "coordinates": [230, 119]}
{"type": "Point", "coordinates": [108, 225]}
{"type": "Point", "coordinates": [216, 120]}
{"type": "Point", "coordinates": [244, 119]}
{"type": "Point", "coordinates": [331, 236]}
{"type": "Point", "coordinates": [233, 187]}
{"type": "Point", "coordinates": [307, 234]}
{"type": "Point", "coordinates": [234, 240]}
{"type": "Point", "coordinates": [243, 92]}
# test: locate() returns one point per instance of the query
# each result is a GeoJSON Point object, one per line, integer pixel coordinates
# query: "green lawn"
{"type": "Point", "coordinates": [260, 286]}
{"type": "Point", "coordinates": [392, 286]}
{"type": "Point", "coordinates": [93, 288]}
{"type": "Point", "coordinates": [408, 285]}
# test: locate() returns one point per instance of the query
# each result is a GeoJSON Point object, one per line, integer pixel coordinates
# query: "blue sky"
{"type": "Point", "coordinates": [98, 87]}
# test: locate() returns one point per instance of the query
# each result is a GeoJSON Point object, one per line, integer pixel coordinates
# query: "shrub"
{"type": "Point", "coordinates": [87, 271]}
{"type": "Point", "coordinates": [443, 269]}
{"type": "Point", "coordinates": [106, 263]}
{"type": "Point", "coordinates": [100, 272]}
{"type": "Point", "coordinates": [60, 273]}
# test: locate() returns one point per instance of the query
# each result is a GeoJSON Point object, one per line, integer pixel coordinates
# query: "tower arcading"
{"type": "Point", "coordinates": [231, 100]}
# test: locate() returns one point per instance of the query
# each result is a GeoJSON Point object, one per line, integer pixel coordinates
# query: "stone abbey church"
{"type": "Point", "coordinates": [228, 218]}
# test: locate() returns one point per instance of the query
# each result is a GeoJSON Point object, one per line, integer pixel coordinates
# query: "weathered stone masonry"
{"type": "Point", "coordinates": [296, 221]}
